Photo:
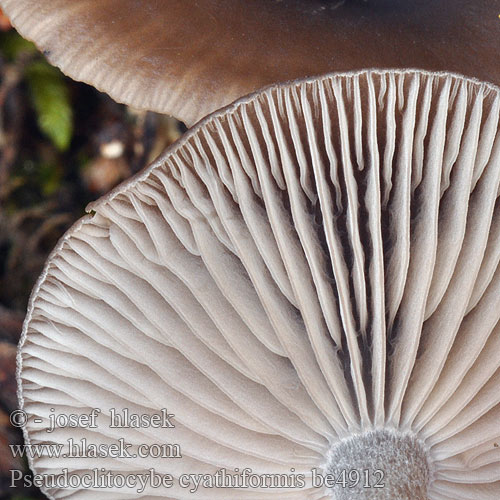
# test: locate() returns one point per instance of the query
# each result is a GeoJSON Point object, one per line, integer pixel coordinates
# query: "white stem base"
{"type": "Point", "coordinates": [389, 465]}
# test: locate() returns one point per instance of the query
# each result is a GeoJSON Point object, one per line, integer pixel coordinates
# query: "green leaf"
{"type": "Point", "coordinates": [50, 97]}
{"type": "Point", "coordinates": [12, 45]}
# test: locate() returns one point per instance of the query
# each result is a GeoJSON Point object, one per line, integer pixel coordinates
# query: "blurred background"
{"type": "Point", "coordinates": [62, 145]}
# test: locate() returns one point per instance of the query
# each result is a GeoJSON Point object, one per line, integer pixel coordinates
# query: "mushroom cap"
{"type": "Point", "coordinates": [306, 276]}
{"type": "Point", "coordinates": [188, 58]}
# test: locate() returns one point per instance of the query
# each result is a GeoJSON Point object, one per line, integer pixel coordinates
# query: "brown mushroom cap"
{"type": "Point", "coordinates": [188, 58]}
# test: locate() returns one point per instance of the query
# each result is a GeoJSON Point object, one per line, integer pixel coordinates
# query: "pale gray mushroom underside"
{"type": "Point", "coordinates": [317, 261]}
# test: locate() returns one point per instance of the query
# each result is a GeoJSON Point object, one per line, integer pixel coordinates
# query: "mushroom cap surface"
{"type": "Point", "coordinates": [306, 276]}
{"type": "Point", "coordinates": [188, 58]}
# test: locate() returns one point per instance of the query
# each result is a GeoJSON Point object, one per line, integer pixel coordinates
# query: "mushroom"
{"type": "Point", "coordinates": [188, 58]}
{"type": "Point", "coordinates": [306, 285]}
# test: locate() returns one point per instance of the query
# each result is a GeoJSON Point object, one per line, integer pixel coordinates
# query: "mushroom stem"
{"type": "Point", "coordinates": [381, 464]}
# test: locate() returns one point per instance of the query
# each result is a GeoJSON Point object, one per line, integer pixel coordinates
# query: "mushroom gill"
{"type": "Point", "coordinates": [309, 281]}
{"type": "Point", "coordinates": [188, 58]}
